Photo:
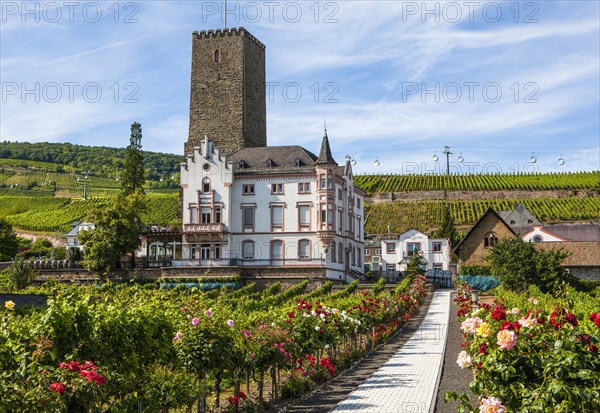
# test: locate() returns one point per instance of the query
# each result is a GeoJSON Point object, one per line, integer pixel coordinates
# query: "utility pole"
{"type": "Point", "coordinates": [448, 153]}
{"type": "Point", "coordinates": [85, 178]}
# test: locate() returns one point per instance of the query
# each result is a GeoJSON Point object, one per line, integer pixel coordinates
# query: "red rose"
{"type": "Point", "coordinates": [498, 314]}
{"type": "Point", "coordinates": [60, 388]}
{"type": "Point", "coordinates": [593, 348]}
{"type": "Point", "coordinates": [291, 315]}
{"type": "Point", "coordinates": [242, 395]}
{"type": "Point", "coordinates": [571, 319]}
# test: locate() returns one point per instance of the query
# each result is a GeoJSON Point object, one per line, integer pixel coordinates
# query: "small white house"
{"type": "Point", "coordinates": [539, 234]}
{"type": "Point", "coordinates": [397, 252]}
{"type": "Point", "coordinates": [72, 236]}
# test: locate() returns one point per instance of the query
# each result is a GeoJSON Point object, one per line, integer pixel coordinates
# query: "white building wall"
{"type": "Point", "coordinates": [400, 257]}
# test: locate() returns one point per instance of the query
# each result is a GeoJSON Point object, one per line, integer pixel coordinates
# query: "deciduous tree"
{"type": "Point", "coordinates": [9, 244]}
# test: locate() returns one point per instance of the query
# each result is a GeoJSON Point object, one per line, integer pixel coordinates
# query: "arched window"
{"type": "Point", "coordinates": [304, 249]}
{"type": "Point", "coordinates": [537, 238]}
{"type": "Point", "coordinates": [490, 240]}
{"type": "Point", "coordinates": [206, 185]}
{"type": "Point", "coordinates": [248, 250]}
{"type": "Point", "coordinates": [340, 253]}
{"type": "Point", "coordinates": [269, 163]}
{"type": "Point", "coordinates": [276, 250]}
{"type": "Point", "coordinates": [333, 246]}
{"type": "Point", "coordinates": [217, 56]}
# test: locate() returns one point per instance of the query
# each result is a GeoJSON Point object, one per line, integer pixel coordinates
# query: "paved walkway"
{"type": "Point", "coordinates": [408, 381]}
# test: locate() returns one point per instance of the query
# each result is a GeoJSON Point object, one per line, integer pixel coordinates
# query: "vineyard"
{"type": "Point", "coordinates": [49, 214]}
{"type": "Point", "coordinates": [20, 175]}
{"type": "Point", "coordinates": [427, 215]}
{"type": "Point", "coordinates": [487, 182]}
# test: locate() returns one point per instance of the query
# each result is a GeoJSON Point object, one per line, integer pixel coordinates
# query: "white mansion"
{"type": "Point", "coordinates": [273, 206]}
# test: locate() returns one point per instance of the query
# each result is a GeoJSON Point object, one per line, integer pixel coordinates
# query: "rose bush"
{"type": "Point", "coordinates": [528, 359]}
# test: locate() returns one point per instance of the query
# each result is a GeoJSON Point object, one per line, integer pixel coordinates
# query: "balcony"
{"type": "Point", "coordinates": [238, 262]}
{"type": "Point", "coordinates": [203, 228]}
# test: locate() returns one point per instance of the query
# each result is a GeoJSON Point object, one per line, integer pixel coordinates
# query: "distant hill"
{"type": "Point", "coordinates": [100, 161]}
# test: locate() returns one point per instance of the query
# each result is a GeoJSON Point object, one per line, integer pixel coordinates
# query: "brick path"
{"type": "Point", "coordinates": [408, 381]}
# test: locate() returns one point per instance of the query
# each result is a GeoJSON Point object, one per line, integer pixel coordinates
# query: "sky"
{"type": "Point", "coordinates": [500, 83]}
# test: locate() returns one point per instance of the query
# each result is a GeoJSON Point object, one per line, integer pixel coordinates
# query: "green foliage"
{"type": "Point", "coordinates": [448, 230]}
{"type": "Point", "coordinates": [9, 244]}
{"type": "Point", "coordinates": [403, 287]}
{"type": "Point", "coordinates": [133, 174]}
{"type": "Point", "coordinates": [296, 385]}
{"type": "Point", "coordinates": [116, 232]}
{"type": "Point", "coordinates": [414, 266]}
{"type": "Point", "coordinates": [475, 270]}
{"type": "Point", "coordinates": [379, 286]}
{"type": "Point", "coordinates": [19, 274]}
{"type": "Point", "coordinates": [166, 387]}
{"type": "Point", "coordinates": [518, 264]}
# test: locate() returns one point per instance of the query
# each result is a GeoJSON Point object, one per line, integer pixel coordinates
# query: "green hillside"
{"type": "Point", "coordinates": [478, 182]}
{"type": "Point", "coordinates": [72, 160]}
{"type": "Point", "coordinates": [50, 214]}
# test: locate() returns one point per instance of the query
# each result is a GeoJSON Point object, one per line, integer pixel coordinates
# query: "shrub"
{"type": "Point", "coordinates": [20, 274]}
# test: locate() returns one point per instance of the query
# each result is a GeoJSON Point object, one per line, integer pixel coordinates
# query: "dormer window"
{"type": "Point", "coordinates": [270, 163]}
{"type": "Point", "coordinates": [297, 162]}
{"type": "Point", "coordinates": [242, 164]}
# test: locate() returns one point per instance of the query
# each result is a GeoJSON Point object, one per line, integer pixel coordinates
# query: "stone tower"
{"type": "Point", "coordinates": [227, 100]}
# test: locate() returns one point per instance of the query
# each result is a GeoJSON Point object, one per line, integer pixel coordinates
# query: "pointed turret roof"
{"type": "Point", "coordinates": [325, 155]}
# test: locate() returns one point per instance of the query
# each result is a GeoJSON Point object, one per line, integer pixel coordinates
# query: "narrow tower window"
{"type": "Point", "coordinates": [217, 56]}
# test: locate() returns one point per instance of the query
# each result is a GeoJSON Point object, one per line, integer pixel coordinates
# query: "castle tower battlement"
{"type": "Point", "coordinates": [228, 90]}
{"type": "Point", "coordinates": [234, 31]}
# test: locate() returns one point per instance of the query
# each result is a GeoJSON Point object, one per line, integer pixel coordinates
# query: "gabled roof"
{"type": "Point", "coordinates": [488, 212]}
{"type": "Point", "coordinates": [283, 159]}
{"type": "Point", "coordinates": [519, 217]}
